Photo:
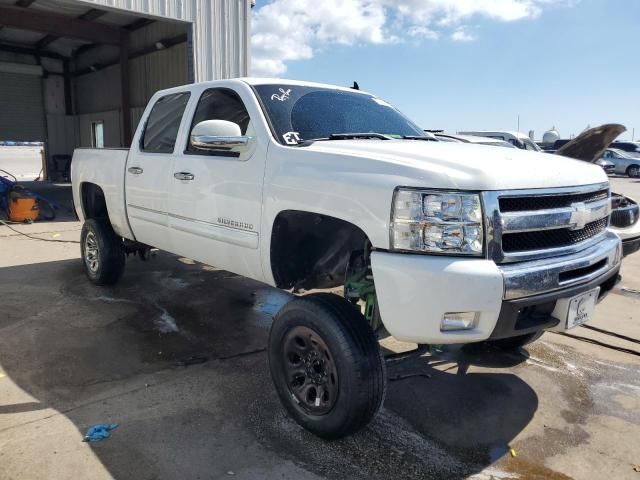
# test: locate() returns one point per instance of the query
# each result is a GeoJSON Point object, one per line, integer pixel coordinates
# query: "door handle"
{"type": "Point", "coordinates": [184, 176]}
{"type": "Point", "coordinates": [135, 170]}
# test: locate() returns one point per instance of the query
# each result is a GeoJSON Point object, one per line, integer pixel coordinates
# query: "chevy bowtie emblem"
{"type": "Point", "coordinates": [579, 216]}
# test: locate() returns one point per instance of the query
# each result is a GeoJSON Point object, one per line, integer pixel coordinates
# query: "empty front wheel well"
{"type": "Point", "coordinates": [309, 250]}
{"type": "Point", "coordinates": [94, 204]}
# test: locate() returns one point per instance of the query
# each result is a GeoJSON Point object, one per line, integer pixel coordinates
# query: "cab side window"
{"type": "Point", "coordinates": [161, 129]}
{"type": "Point", "coordinates": [220, 104]}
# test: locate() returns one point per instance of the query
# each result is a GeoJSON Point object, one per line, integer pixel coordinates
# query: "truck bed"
{"type": "Point", "coordinates": [104, 167]}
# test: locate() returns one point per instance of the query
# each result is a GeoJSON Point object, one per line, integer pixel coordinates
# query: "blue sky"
{"type": "Point", "coordinates": [467, 64]}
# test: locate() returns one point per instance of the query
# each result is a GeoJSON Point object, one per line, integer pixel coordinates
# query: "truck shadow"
{"type": "Point", "coordinates": [175, 355]}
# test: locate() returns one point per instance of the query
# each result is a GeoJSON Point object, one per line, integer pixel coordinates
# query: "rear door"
{"type": "Point", "coordinates": [216, 196]}
{"type": "Point", "coordinates": [621, 162]}
{"type": "Point", "coordinates": [150, 170]}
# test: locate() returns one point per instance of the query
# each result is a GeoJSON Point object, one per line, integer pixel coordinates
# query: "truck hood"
{"type": "Point", "coordinates": [459, 165]}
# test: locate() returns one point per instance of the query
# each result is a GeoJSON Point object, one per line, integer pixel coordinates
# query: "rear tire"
{"type": "Point", "coordinates": [633, 171]}
{"type": "Point", "coordinates": [514, 343]}
{"type": "Point", "coordinates": [326, 365]}
{"type": "Point", "coordinates": [102, 252]}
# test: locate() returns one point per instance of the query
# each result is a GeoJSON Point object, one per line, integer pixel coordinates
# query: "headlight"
{"type": "Point", "coordinates": [437, 222]}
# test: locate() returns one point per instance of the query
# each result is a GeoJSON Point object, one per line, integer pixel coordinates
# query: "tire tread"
{"type": "Point", "coordinates": [358, 343]}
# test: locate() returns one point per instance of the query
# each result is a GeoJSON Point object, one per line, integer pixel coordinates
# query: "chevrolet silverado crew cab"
{"type": "Point", "coordinates": [306, 186]}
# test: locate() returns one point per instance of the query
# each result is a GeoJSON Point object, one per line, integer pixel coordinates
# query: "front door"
{"type": "Point", "coordinates": [149, 171]}
{"type": "Point", "coordinates": [216, 196]}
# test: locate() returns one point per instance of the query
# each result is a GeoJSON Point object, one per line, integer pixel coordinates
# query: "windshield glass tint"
{"type": "Point", "coordinates": [304, 113]}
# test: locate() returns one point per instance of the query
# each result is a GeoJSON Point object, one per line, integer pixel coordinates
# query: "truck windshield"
{"type": "Point", "coordinates": [300, 114]}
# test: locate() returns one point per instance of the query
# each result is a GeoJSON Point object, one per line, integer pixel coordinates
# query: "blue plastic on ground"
{"type": "Point", "coordinates": [99, 432]}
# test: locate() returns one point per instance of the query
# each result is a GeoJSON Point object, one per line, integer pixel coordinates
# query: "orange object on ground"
{"type": "Point", "coordinates": [22, 207]}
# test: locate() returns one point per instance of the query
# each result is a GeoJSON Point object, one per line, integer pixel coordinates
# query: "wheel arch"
{"type": "Point", "coordinates": [93, 202]}
{"type": "Point", "coordinates": [312, 250]}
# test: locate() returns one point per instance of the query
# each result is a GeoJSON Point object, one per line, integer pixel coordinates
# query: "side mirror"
{"type": "Point", "coordinates": [219, 135]}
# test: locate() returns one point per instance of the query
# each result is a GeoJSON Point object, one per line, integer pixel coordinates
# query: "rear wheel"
{"type": "Point", "coordinates": [633, 171]}
{"type": "Point", "coordinates": [326, 365]}
{"type": "Point", "coordinates": [514, 343]}
{"type": "Point", "coordinates": [102, 252]}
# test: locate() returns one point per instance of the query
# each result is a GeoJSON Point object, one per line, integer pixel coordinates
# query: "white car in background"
{"type": "Point", "coordinates": [625, 163]}
{"type": "Point", "coordinates": [517, 139]}
{"type": "Point", "coordinates": [476, 140]}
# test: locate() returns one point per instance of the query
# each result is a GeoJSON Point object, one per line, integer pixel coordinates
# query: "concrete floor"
{"type": "Point", "coordinates": [73, 355]}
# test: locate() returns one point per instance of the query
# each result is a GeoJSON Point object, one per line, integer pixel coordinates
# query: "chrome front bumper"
{"type": "Point", "coordinates": [548, 275]}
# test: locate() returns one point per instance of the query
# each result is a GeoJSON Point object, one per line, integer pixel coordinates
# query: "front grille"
{"type": "Point", "coordinates": [545, 239]}
{"type": "Point", "coordinates": [545, 202]}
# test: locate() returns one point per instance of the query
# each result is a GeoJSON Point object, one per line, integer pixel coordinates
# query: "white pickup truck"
{"type": "Point", "coordinates": [306, 186]}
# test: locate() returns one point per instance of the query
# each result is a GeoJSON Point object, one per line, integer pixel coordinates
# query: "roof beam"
{"type": "Point", "coordinates": [24, 3]}
{"type": "Point", "coordinates": [89, 16]}
{"type": "Point", "coordinates": [132, 27]}
{"type": "Point", "coordinates": [138, 24]}
{"type": "Point", "coordinates": [84, 49]}
{"type": "Point", "coordinates": [59, 25]}
{"type": "Point", "coordinates": [30, 51]}
{"type": "Point", "coordinates": [21, 4]}
{"type": "Point", "coordinates": [160, 45]}
{"type": "Point", "coordinates": [92, 14]}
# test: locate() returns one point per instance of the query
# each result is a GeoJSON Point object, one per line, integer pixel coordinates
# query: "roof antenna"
{"type": "Point", "coordinates": [356, 86]}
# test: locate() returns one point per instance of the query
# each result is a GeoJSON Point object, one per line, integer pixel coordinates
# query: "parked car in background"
{"type": "Point", "coordinates": [590, 146]}
{"type": "Point", "coordinates": [557, 145]}
{"type": "Point", "coordinates": [495, 142]}
{"type": "Point", "coordinates": [606, 165]}
{"type": "Point", "coordinates": [625, 216]}
{"type": "Point", "coordinates": [631, 148]}
{"type": "Point", "coordinates": [517, 139]}
{"type": "Point", "coordinates": [625, 163]}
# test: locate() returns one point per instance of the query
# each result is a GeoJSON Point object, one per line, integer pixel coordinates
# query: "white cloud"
{"type": "Point", "coordinates": [290, 30]}
{"type": "Point", "coordinates": [422, 32]}
{"type": "Point", "coordinates": [462, 35]}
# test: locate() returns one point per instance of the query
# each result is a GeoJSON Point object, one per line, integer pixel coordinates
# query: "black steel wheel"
{"type": "Point", "coordinates": [311, 370]}
{"type": "Point", "coordinates": [326, 365]}
{"type": "Point", "coordinates": [102, 253]}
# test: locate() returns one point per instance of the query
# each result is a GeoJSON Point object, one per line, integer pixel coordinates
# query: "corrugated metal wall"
{"type": "Point", "coordinates": [100, 91]}
{"type": "Point", "coordinates": [220, 31]}
{"type": "Point", "coordinates": [62, 134]}
{"type": "Point", "coordinates": [112, 128]}
{"type": "Point", "coordinates": [219, 34]}
{"type": "Point", "coordinates": [21, 101]}
{"type": "Point", "coordinates": [156, 71]}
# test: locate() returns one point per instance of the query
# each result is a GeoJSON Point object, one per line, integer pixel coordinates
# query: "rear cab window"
{"type": "Point", "coordinates": [163, 123]}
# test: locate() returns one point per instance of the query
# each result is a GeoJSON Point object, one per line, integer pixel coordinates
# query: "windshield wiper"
{"type": "Point", "coordinates": [347, 136]}
{"type": "Point", "coordinates": [354, 136]}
